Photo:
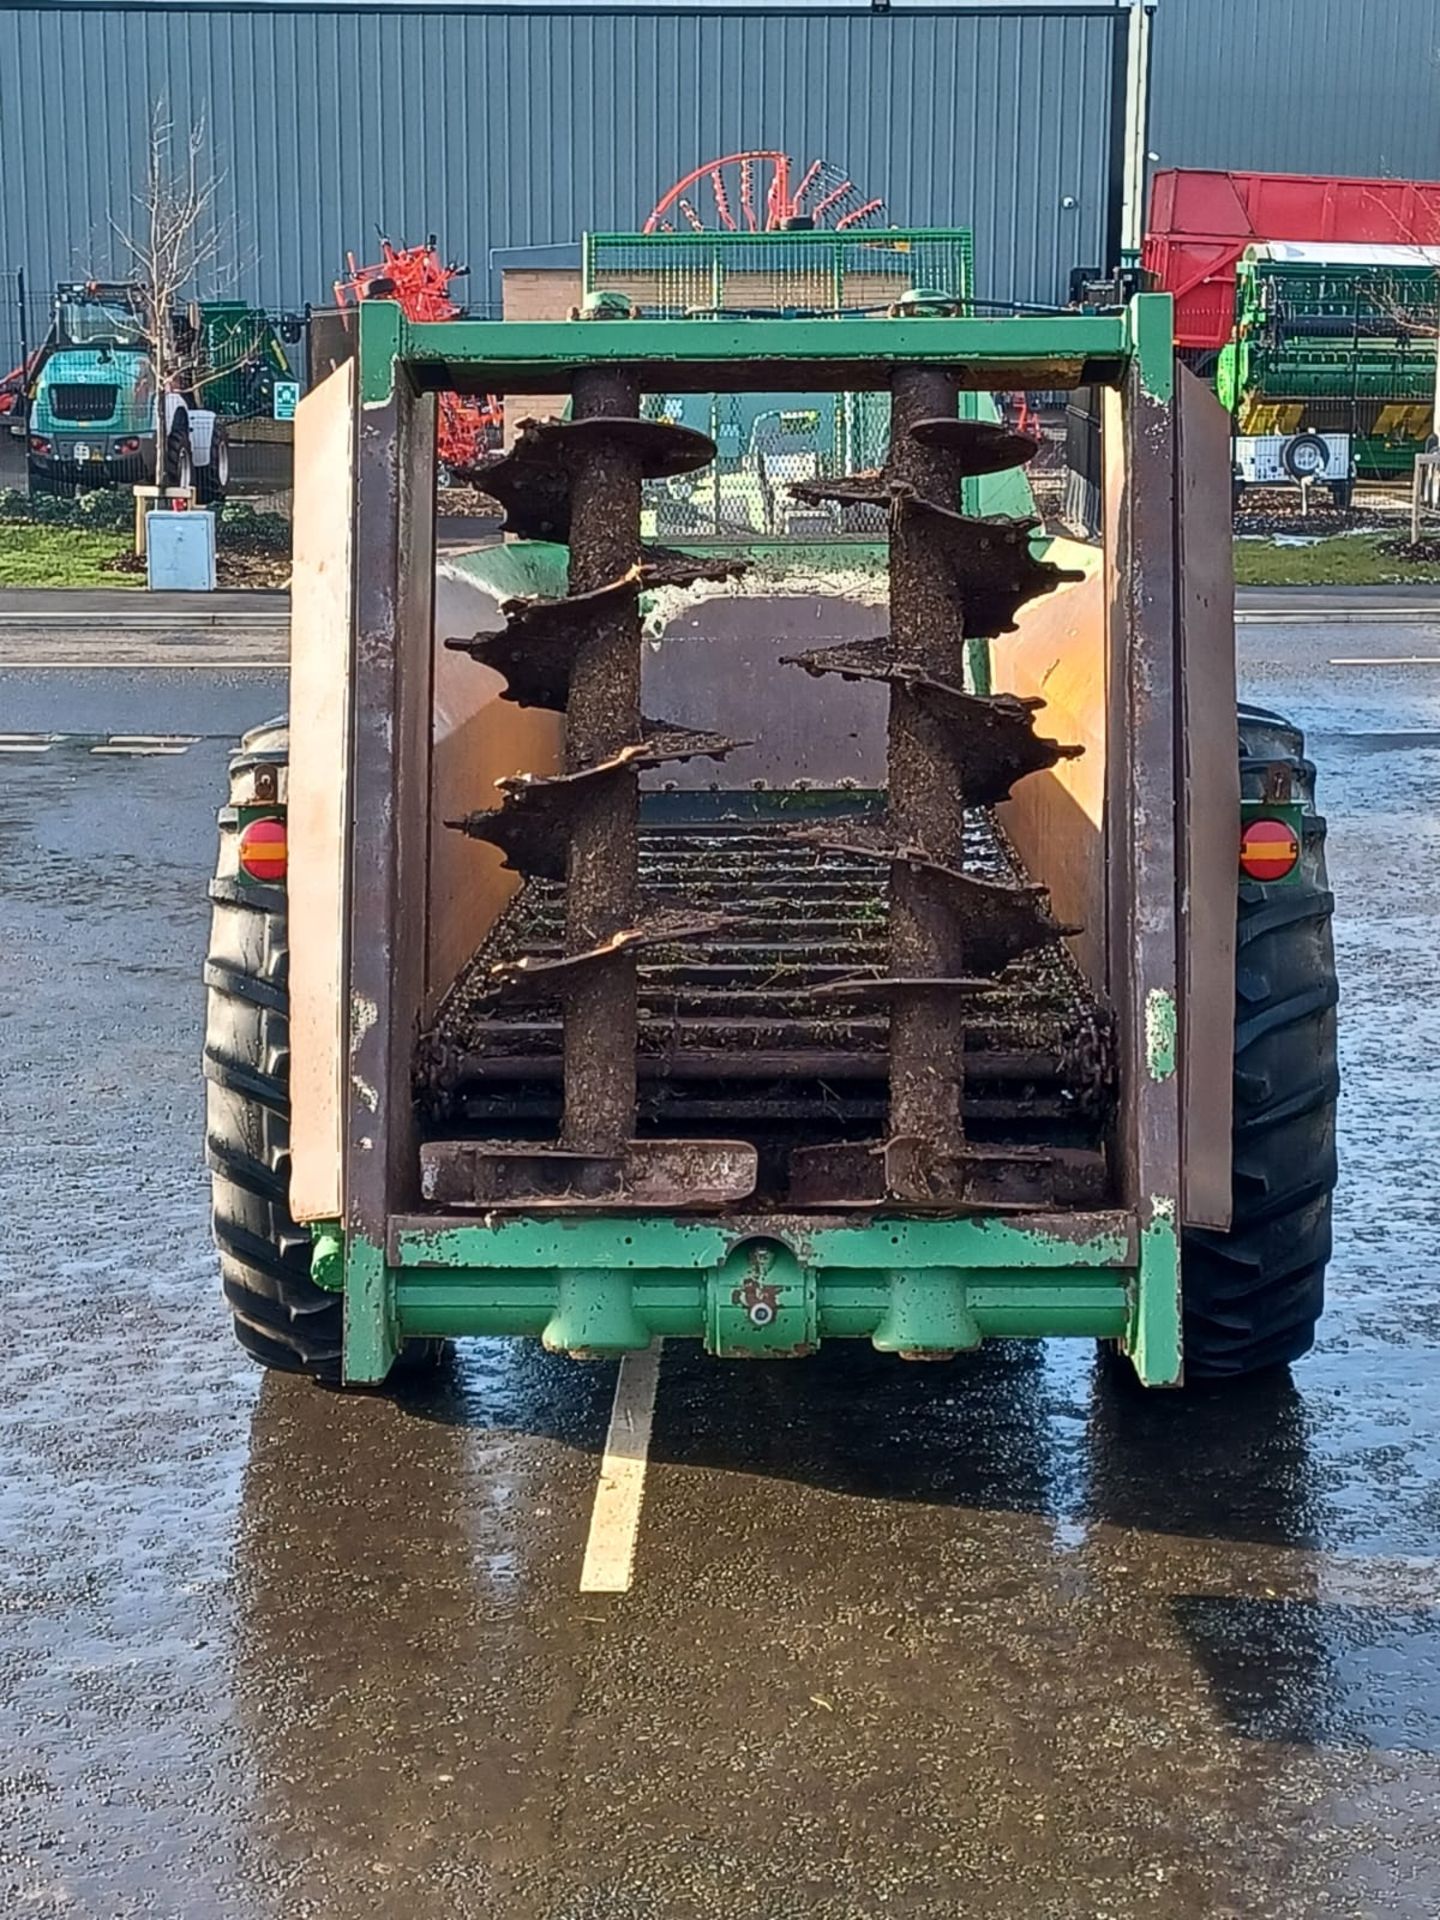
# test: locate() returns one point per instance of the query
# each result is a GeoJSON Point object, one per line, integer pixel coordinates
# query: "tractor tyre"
{"type": "Point", "coordinates": [179, 460]}
{"type": "Point", "coordinates": [213, 479]}
{"type": "Point", "coordinates": [1252, 1296]}
{"type": "Point", "coordinates": [281, 1317]}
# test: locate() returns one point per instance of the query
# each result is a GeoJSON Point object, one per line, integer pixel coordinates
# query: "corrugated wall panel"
{"type": "Point", "coordinates": [1298, 86]}
{"type": "Point", "coordinates": [511, 129]}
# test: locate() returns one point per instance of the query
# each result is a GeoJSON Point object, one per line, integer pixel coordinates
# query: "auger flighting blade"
{"type": "Point", "coordinates": [979, 446]}
{"type": "Point", "coordinates": [534, 480]}
{"type": "Point", "coordinates": [536, 649]}
{"type": "Point", "coordinates": [884, 989]}
{"type": "Point", "coordinates": [532, 978]}
{"type": "Point", "coordinates": [994, 571]}
{"type": "Point", "coordinates": [531, 485]}
{"type": "Point", "coordinates": [999, 921]}
{"type": "Point", "coordinates": [847, 490]}
{"type": "Point", "coordinates": [994, 735]}
{"type": "Point", "coordinates": [536, 825]}
{"type": "Point", "coordinates": [665, 567]}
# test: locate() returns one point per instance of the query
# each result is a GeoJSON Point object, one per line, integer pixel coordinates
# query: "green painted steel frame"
{"type": "Point", "coordinates": [763, 1287]}
{"type": "Point", "coordinates": [698, 356]}
{"type": "Point", "coordinates": [772, 1285]}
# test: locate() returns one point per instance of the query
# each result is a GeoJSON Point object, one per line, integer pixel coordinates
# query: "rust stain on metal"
{"type": "Point", "coordinates": [674, 1175]}
{"type": "Point", "coordinates": [759, 1301]}
{"type": "Point", "coordinates": [536, 827]}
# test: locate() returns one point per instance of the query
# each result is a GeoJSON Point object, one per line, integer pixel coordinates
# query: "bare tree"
{"type": "Point", "coordinates": [175, 248]}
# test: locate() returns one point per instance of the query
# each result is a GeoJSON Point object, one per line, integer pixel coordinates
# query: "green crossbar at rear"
{"type": "Point", "coordinates": [739, 353]}
{"type": "Point", "coordinates": [766, 1287]}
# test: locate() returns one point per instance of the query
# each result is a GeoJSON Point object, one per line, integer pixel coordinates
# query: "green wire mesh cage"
{"type": "Point", "coordinates": [767, 442]}
{"type": "Point", "coordinates": [805, 274]}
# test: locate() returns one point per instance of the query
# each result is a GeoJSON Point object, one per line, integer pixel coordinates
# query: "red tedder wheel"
{"type": "Point", "coordinates": [764, 192]}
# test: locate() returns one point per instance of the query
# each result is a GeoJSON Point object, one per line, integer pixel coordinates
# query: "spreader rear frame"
{"type": "Point", "coordinates": [767, 1285]}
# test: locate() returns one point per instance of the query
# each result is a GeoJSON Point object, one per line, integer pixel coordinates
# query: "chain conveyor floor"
{"type": "Point", "coordinates": [734, 1038]}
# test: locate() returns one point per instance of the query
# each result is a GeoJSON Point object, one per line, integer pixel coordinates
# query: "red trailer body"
{"type": "Point", "coordinates": [1201, 222]}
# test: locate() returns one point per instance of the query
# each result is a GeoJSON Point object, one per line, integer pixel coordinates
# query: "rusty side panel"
{"type": "Point", "coordinates": [478, 739]}
{"type": "Point", "coordinates": [1210, 800]}
{"type": "Point", "coordinates": [1057, 818]}
{"type": "Point", "coordinates": [1139, 465]}
{"type": "Point", "coordinates": [390, 800]}
{"type": "Point", "coordinates": [320, 614]}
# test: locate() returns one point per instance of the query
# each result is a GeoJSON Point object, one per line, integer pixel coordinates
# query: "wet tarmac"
{"type": "Point", "coordinates": [1002, 1638]}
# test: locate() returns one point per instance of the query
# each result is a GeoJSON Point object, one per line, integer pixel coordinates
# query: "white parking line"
{"type": "Point", "coordinates": [114, 743]}
{"type": "Point", "coordinates": [1389, 660]}
{"type": "Point", "coordinates": [278, 667]}
{"type": "Point", "coordinates": [615, 1521]}
{"type": "Point", "coordinates": [1332, 616]}
{"type": "Point", "coordinates": [147, 743]}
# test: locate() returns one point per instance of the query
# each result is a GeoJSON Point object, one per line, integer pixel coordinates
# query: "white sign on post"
{"type": "Point", "coordinates": [285, 399]}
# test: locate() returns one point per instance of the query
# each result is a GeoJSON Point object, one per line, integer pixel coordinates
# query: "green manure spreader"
{"type": "Point", "coordinates": [900, 937]}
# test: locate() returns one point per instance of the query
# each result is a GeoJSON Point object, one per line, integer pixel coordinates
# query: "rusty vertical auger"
{"type": "Point", "coordinates": [603, 719]}
{"type": "Point", "coordinates": [952, 579]}
{"type": "Point", "coordinates": [926, 800]}
{"type": "Point", "coordinates": [579, 481]}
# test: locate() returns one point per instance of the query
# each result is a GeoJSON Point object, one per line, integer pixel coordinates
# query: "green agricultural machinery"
{"type": "Point", "coordinates": [891, 936]}
{"type": "Point", "coordinates": [93, 412]}
{"type": "Point", "coordinates": [1332, 362]}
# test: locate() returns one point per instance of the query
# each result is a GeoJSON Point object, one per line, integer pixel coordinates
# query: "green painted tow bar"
{"type": "Point", "coordinates": [764, 1288]}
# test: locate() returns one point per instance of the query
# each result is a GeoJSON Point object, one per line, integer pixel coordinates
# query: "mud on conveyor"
{"type": "Point", "coordinates": [874, 1007]}
{"type": "Point", "coordinates": [734, 1041]}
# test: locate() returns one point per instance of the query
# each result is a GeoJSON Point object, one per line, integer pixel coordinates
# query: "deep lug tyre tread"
{"type": "Point", "coordinates": [1253, 1296]}
{"type": "Point", "coordinates": [281, 1317]}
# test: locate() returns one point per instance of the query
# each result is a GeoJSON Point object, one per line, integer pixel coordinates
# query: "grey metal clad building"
{"type": "Point", "coordinates": [497, 126]}
{"type": "Point", "coordinates": [504, 127]}
{"type": "Point", "coordinates": [1298, 86]}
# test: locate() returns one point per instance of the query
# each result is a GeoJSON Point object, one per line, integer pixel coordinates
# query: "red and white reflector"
{"type": "Point", "coordinates": [262, 850]}
{"type": "Point", "coordinates": [1269, 850]}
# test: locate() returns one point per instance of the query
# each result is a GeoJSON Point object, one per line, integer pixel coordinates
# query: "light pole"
{"type": "Point", "coordinates": [1137, 123]}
